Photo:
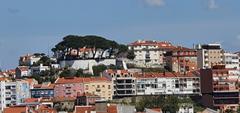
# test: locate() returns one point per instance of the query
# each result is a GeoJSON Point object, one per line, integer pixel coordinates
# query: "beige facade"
{"type": "Point", "coordinates": [101, 88]}
{"type": "Point", "coordinates": [209, 55]}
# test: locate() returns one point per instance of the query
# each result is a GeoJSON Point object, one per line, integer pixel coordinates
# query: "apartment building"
{"type": "Point", "coordinates": [181, 59]}
{"type": "Point", "coordinates": [168, 84]}
{"type": "Point", "coordinates": [13, 92]}
{"type": "Point", "coordinates": [209, 55]}
{"type": "Point", "coordinates": [68, 87]}
{"type": "Point", "coordinates": [100, 86]}
{"type": "Point", "coordinates": [231, 60]}
{"type": "Point", "coordinates": [123, 82]}
{"type": "Point", "coordinates": [220, 87]}
{"type": "Point", "coordinates": [149, 53]}
{"type": "Point", "coordinates": [74, 86]}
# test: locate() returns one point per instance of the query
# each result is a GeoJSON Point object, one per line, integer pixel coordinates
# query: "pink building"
{"type": "Point", "coordinates": [68, 87]}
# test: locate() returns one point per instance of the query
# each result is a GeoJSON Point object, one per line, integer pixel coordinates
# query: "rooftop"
{"type": "Point", "coordinates": [65, 80]}
{"type": "Point", "coordinates": [15, 109]}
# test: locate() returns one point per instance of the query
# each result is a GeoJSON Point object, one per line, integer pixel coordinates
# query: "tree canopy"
{"type": "Point", "coordinates": [89, 41]}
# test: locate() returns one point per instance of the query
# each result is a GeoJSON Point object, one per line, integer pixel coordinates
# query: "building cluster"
{"type": "Point", "coordinates": [205, 71]}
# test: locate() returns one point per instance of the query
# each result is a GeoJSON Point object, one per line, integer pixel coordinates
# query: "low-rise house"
{"type": "Point", "coordinates": [28, 60]}
{"type": "Point", "coordinates": [86, 99]}
{"type": "Point", "coordinates": [22, 71]}
{"type": "Point", "coordinates": [64, 103]}
{"type": "Point", "coordinates": [38, 69]}
{"type": "Point", "coordinates": [42, 90]}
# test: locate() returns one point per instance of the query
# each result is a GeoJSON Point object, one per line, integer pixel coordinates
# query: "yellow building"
{"type": "Point", "coordinates": [100, 86]}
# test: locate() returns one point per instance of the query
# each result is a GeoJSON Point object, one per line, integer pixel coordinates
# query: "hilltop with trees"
{"type": "Point", "coordinates": [95, 43]}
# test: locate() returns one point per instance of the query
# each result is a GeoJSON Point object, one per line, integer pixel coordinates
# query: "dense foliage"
{"type": "Point", "coordinates": [98, 43]}
{"type": "Point", "coordinates": [97, 70]}
{"type": "Point", "coordinates": [166, 103]}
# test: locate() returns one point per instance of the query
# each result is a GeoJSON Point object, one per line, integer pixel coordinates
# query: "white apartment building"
{"type": "Point", "coordinates": [231, 60]}
{"type": "Point", "coordinates": [167, 84]}
{"type": "Point", "coordinates": [13, 93]}
{"type": "Point", "coordinates": [149, 53]}
{"type": "Point", "coordinates": [209, 55]}
{"type": "Point", "coordinates": [131, 84]}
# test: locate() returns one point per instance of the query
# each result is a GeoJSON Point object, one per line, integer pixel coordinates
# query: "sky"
{"type": "Point", "coordinates": [30, 26]}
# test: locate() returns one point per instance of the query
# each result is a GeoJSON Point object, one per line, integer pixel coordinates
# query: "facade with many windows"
{"type": "Point", "coordinates": [168, 83]}
{"type": "Point", "coordinates": [220, 87]}
{"type": "Point", "coordinates": [13, 92]}
{"type": "Point", "coordinates": [231, 60]}
{"type": "Point", "coordinates": [181, 59]}
{"type": "Point", "coordinates": [149, 53]}
{"type": "Point", "coordinates": [209, 55]}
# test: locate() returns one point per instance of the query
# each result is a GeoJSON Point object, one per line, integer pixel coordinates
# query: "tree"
{"type": "Point", "coordinates": [96, 43]}
{"type": "Point", "coordinates": [98, 69]}
{"type": "Point", "coordinates": [171, 104]}
{"type": "Point", "coordinates": [67, 73]}
{"type": "Point", "coordinates": [79, 73]}
{"type": "Point", "coordinates": [130, 55]}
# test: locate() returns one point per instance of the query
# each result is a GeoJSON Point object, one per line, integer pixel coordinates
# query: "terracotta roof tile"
{"type": "Point", "coordinates": [84, 109]}
{"type": "Point", "coordinates": [79, 80]}
{"type": "Point", "coordinates": [16, 109]}
{"type": "Point", "coordinates": [112, 109]}
{"type": "Point", "coordinates": [31, 100]}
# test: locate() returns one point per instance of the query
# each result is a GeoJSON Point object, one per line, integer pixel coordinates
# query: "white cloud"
{"type": "Point", "coordinates": [155, 2]}
{"type": "Point", "coordinates": [212, 4]}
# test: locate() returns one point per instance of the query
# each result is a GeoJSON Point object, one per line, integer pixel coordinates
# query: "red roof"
{"type": "Point", "coordinates": [16, 109]}
{"type": "Point", "coordinates": [31, 100]}
{"type": "Point", "coordinates": [152, 43]}
{"type": "Point", "coordinates": [84, 109]}
{"type": "Point", "coordinates": [112, 109]}
{"type": "Point", "coordinates": [67, 80]}
{"type": "Point", "coordinates": [4, 79]}
{"type": "Point", "coordinates": [45, 109]}
{"type": "Point", "coordinates": [44, 86]}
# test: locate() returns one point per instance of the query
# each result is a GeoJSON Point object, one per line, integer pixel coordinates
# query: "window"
{"type": "Point", "coordinates": [109, 86]}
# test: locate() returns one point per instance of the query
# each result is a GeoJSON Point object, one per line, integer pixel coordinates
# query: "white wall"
{"type": "Point", "coordinates": [86, 64]}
